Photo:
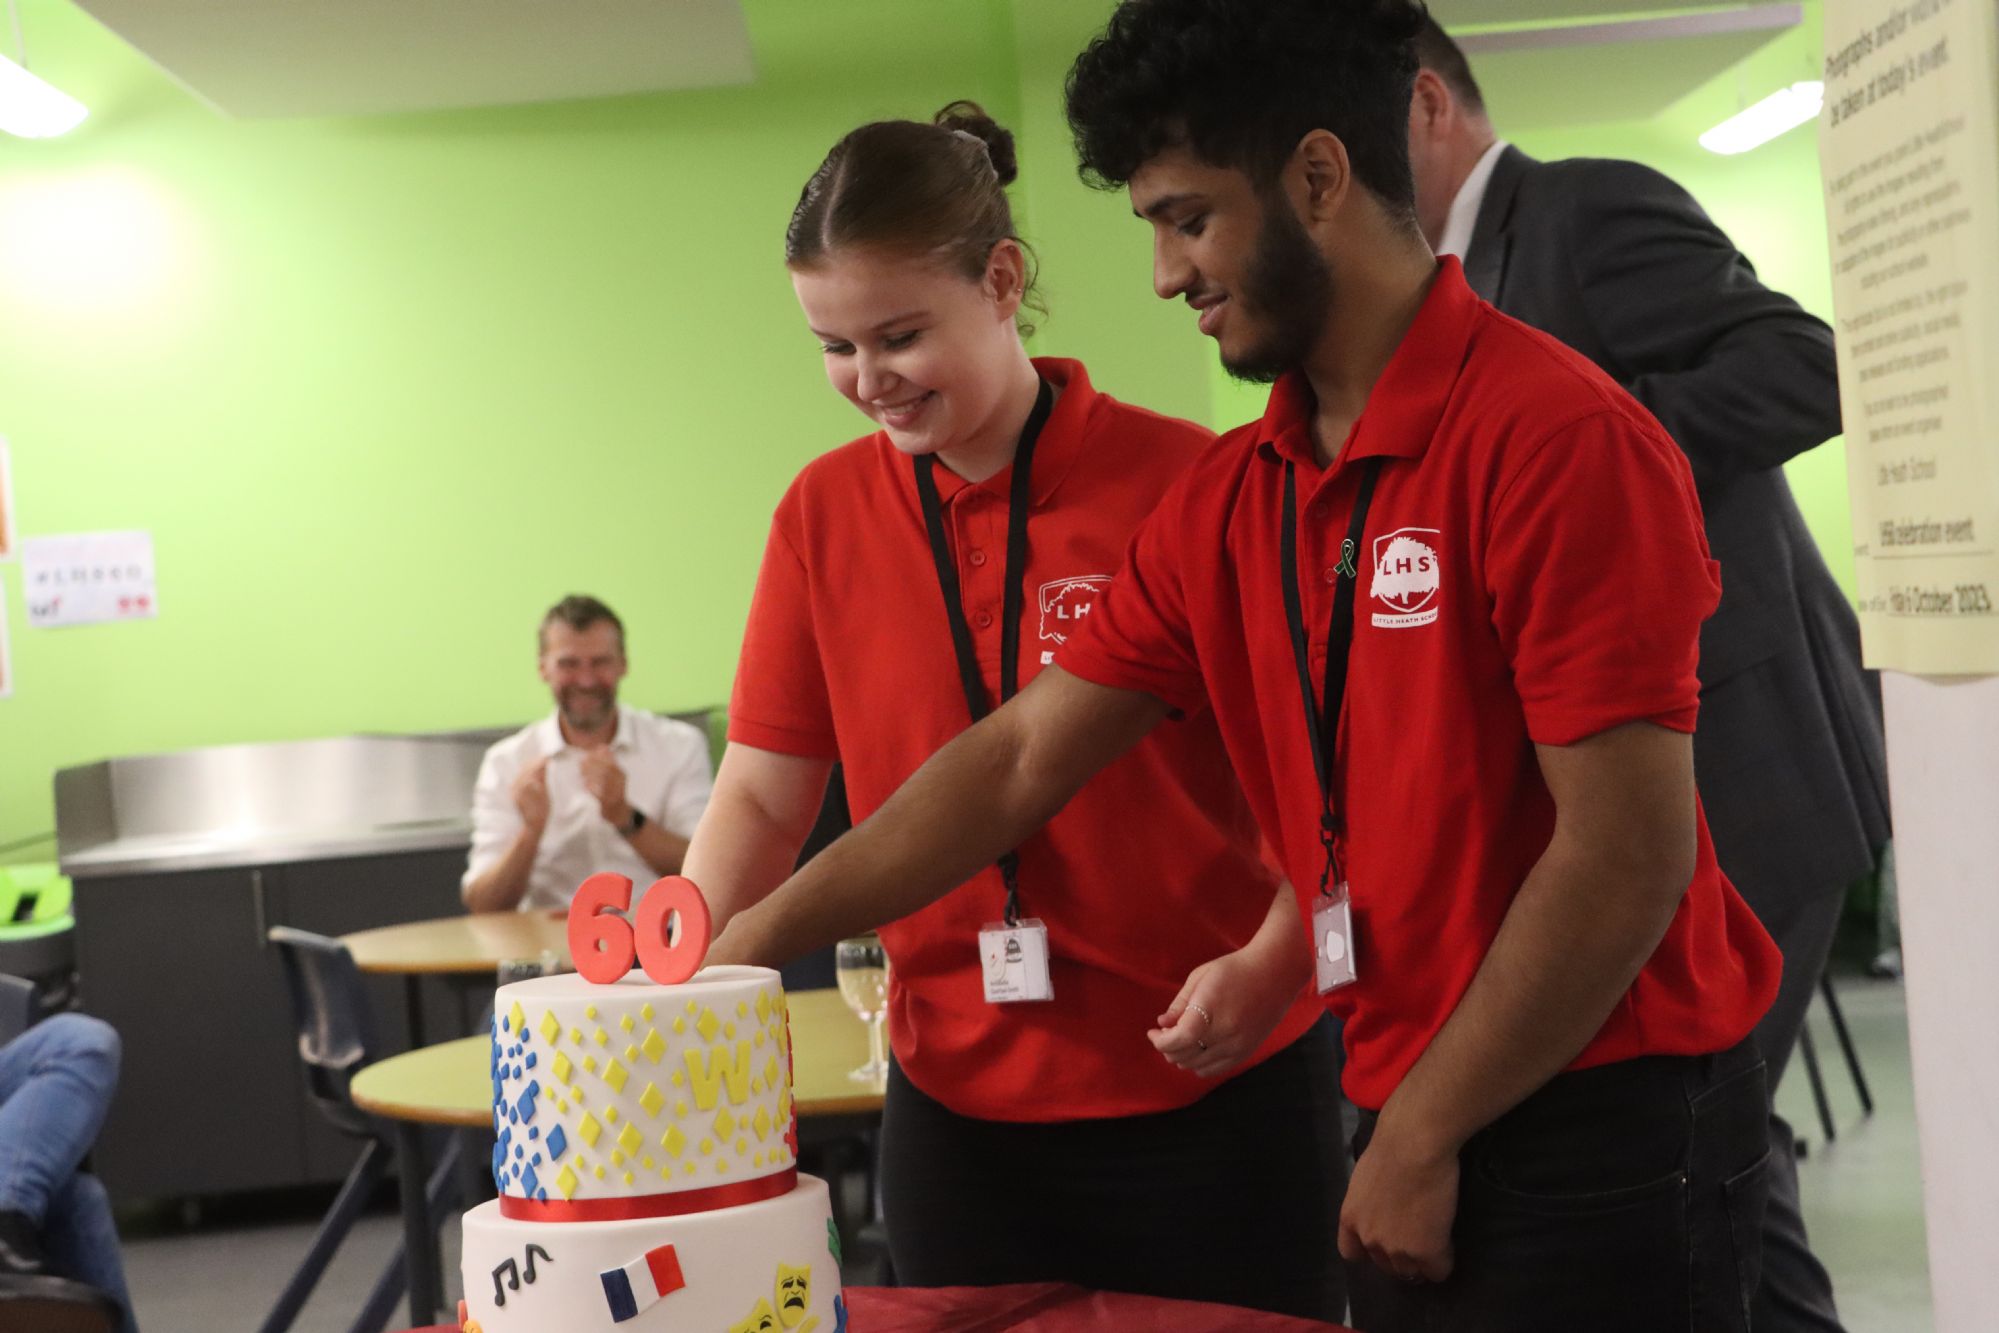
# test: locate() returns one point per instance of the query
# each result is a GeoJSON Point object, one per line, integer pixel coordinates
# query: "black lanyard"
{"type": "Point", "coordinates": [1020, 496]}
{"type": "Point", "coordinates": [1324, 720]}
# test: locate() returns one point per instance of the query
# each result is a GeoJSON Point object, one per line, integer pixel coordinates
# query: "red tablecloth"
{"type": "Point", "coordinates": [1041, 1308]}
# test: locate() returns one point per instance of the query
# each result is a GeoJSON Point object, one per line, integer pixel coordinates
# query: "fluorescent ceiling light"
{"type": "Point", "coordinates": [33, 109]}
{"type": "Point", "coordinates": [1785, 109]}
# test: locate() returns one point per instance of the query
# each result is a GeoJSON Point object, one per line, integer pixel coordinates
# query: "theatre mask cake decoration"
{"type": "Point", "coordinates": [645, 1140]}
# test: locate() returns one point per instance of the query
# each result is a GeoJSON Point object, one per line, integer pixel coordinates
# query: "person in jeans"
{"type": "Point", "coordinates": [56, 1081]}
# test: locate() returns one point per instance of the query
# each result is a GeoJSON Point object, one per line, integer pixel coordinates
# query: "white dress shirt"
{"type": "Point", "coordinates": [1463, 217]}
{"type": "Point", "coordinates": [667, 775]}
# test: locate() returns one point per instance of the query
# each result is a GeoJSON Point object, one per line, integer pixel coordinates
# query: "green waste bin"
{"type": "Point", "coordinates": [38, 934]}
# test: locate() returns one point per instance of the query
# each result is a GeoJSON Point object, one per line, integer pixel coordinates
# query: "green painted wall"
{"type": "Point", "coordinates": [383, 389]}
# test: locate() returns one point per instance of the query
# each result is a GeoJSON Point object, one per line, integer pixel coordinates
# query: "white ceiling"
{"type": "Point", "coordinates": [1550, 63]}
{"type": "Point", "coordinates": [365, 57]}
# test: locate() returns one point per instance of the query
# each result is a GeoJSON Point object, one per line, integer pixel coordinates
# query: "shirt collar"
{"type": "Point", "coordinates": [548, 733]}
{"type": "Point", "coordinates": [1407, 401]}
{"type": "Point", "coordinates": [1463, 217]}
{"type": "Point", "coordinates": [1055, 450]}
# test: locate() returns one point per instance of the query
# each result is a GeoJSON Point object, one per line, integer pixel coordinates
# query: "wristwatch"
{"type": "Point", "coordinates": [635, 823]}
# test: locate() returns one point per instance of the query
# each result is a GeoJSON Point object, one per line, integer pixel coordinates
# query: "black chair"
{"type": "Point", "coordinates": [1810, 1053]}
{"type": "Point", "coordinates": [336, 1040]}
{"type": "Point", "coordinates": [45, 1304]}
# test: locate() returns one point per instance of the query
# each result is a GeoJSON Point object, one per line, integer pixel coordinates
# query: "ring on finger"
{"type": "Point", "coordinates": [1206, 1017]}
{"type": "Point", "coordinates": [1202, 1044]}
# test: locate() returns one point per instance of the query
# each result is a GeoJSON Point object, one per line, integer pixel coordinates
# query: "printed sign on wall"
{"type": "Point", "coordinates": [1910, 149]}
{"type": "Point", "coordinates": [88, 578]}
{"type": "Point", "coordinates": [6, 505]}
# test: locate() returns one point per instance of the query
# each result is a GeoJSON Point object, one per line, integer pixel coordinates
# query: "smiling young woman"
{"type": "Point", "coordinates": [1166, 1122]}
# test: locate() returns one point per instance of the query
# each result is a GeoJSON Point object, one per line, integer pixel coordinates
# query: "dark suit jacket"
{"type": "Point", "coordinates": [1621, 264]}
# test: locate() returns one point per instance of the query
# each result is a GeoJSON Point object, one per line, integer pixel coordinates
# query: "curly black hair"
{"type": "Point", "coordinates": [1240, 82]}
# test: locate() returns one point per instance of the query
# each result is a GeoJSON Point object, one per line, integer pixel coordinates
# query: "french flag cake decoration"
{"type": "Point", "coordinates": [640, 1284]}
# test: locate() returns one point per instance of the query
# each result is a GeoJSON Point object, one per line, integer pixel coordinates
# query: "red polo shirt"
{"type": "Point", "coordinates": [1534, 571]}
{"type": "Point", "coordinates": [1154, 868]}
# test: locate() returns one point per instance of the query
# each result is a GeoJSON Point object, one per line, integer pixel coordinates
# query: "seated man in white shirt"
{"type": "Point", "coordinates": [598, 786]}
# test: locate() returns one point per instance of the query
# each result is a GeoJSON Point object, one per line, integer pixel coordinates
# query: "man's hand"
{"type": "Point", "coordinates": [603, 779]}
{"type": "Point", "coordinates": [530, 793]}
{"type": "Point", "coordinates": [1399, 1209]}
{"type": "Point", "coordinates": [1223, 1012]}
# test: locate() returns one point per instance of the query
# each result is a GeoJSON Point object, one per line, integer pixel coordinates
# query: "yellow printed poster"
{"type": "Point", "coordinates": [1909, 143]}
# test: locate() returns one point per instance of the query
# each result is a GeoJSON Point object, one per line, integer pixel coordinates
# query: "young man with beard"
{"type": "Point", "coordinates": [1444, 600]}
{"type": "Point", "coordinates": [597, 786]}
{"type": "Point", "coordinates": [1621, 264]}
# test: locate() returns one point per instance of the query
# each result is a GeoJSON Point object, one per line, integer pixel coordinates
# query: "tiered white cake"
{"type": "Point", "coordinates": [646, 1165]}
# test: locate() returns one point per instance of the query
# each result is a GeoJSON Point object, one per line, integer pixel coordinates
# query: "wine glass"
{"type": "Point", "coordinates": [862, 967]}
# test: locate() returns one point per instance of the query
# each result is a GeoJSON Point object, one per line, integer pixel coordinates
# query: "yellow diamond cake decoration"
{"type": "Point", "coordinates": [629, 1177]}
{"type": "Point", "coordinates": [626, 1023]}
{"type": "Point", "coordinates": [673, 1141]}
{"type": "Point", "coordinates": [589, 1129]}
{"type": "Point", "coordinates": [614, 1074]}
{"type": "Point", "coordinates": [742, 1009]}
{"type": "Point", "coordinates": [706, 1027]}
{"type": "Point", "coordinates": [784, 1105]}
{"type": "Point", "coordinates": [761, 1124]}
{"type": "Point", "coordinates": [629, 1141]}
{"type": "Point", "coordinates": [601, 1037]}
{"type": "Point", "coordinates": [590, 1063]}
{"type": "Point", "coordinates": [551, 1030]}
{"type": "Point", "coordinates": [679, 1027]}
{"type": "Point", "coordinates": [590, 1012]}
{"type": "Point", "coordinates": [729, 1031]}
{"type": "Point", "coordinates": [565, 1180]}
{"type": "Point", "coordinates": [691, 1006]}
{"type": "Point", "coordinates": [725, 1124]}
{"type": "Point", "coordinates": [576, 1035]}
{"type": "Point", "coordinates": [679, 1107]}
{"type": "Point", "coordinates": [763, 1006]}
{"type": "Point", "coordinates": [518, 1017]}
{"type": "Point", "coordinates": [651, 1099]}
{"type": "Point", "coordinates": [770, 1070]}
{"type": "Point", "coordinates": [645, 1012]}
{"type": "Point", "coordinates": [631, 1054]}
{"type": "Point", "coordinates": [563, 1069]}
{"type": "Point", "coordinates": [652, 1045]}
{"type": "Point", "coordinates": [610, 1115]}
{"type": "Point", "coordinates": [759, 1037]}
{"type": "Point", "coordinates": [597, 1171]}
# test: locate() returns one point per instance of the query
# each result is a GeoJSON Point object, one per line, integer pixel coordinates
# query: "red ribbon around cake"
{"type": "Point", "coordinates": [639, 1206]}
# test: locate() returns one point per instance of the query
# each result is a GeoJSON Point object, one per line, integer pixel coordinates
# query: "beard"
{"type": "Point", "coordinates": [586, 710]}
{"type": "Point", "coordinates": [1288, 289]}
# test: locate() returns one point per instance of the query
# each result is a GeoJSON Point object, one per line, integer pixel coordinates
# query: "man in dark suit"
{"type": "Point", "coordinates": [1620, 263]}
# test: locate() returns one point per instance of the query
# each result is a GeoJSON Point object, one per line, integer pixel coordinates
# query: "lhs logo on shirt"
{"type": "Point", "coordinates": [1406, 577]}
{"type": "Point", "coordinates": [1066, 604]}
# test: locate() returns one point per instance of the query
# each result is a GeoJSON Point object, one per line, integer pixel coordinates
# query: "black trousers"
{"type": "Point", "coordinates": [1622, 1199]}
{"type": "Point", "coordinates": [1234, 1199]}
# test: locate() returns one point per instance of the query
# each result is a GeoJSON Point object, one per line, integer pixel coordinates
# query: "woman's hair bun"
{"type": "Point", "coordinates": [971, 119]}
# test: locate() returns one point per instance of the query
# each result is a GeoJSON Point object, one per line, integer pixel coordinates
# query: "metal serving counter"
{"type": "Point", "coordinates": [182, 863]}
{"type": "Point", "coordinates": [246, 805]}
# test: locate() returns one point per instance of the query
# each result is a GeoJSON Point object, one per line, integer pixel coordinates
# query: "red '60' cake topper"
{"type": "Point", "coordinates": [603, 944]}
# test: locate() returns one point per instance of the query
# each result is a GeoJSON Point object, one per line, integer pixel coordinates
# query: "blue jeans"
{"type": "Point", "coordinates": [56, 1081]}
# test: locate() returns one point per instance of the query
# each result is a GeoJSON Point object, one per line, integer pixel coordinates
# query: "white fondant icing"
{"type": "Point", "coordinates": [729, 1259]}
{"type": "Point", "coordinates": [634, 1089]}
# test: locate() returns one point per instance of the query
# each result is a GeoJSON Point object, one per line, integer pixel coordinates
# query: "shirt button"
{"type": "Point", "coordinates": [1320, 509]}
{"type": "Point", "coordinates": [984, 620]}
{"type": "Point", "coordinates": [977, 557]}
{"type": "Point", "coordinates": [1332, 576]}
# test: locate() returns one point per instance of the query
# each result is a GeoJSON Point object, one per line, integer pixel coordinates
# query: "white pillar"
{"type": "Point", "coordinates": [1943, 765]}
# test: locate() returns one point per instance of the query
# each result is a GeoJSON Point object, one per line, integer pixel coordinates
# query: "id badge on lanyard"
{"type": "Point", "coordinates": [1013, 954]}
{"type": "Point", "coordinates": [1333, 938]}
{"type": "Point", "coordinates": [1014, 962]}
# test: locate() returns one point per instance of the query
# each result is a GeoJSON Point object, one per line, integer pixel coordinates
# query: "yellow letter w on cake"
{"type": "Point", "coordinates": [707, 1068]}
